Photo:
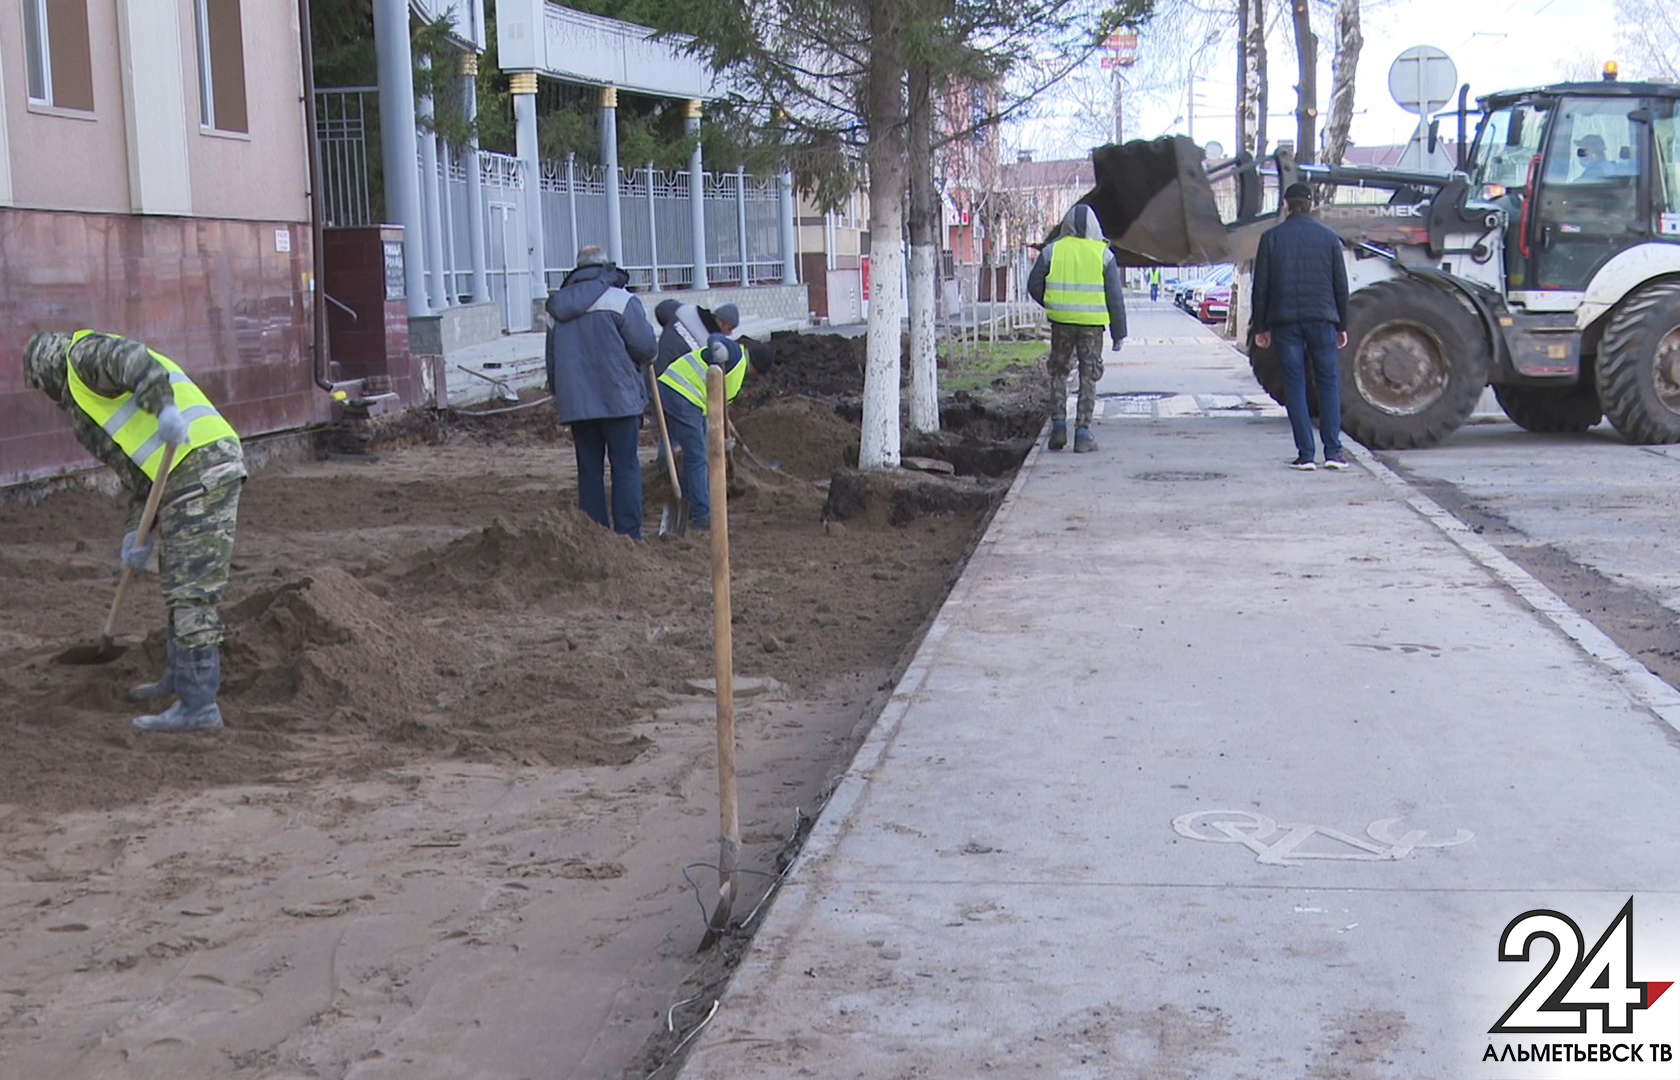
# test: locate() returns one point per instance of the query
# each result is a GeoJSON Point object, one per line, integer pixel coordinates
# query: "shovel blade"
{"type": "Point", "coordinates": [102, 651]}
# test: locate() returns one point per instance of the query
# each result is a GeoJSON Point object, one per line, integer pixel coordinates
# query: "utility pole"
{"type": "Point", "coordinates": [1119, 108]}
{"type": "Point", "coordinates": [1190, 108]}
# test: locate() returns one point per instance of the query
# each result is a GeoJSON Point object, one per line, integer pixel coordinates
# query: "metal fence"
{"type": "Point", "coordinates": [741, 212]}
{"type": "Point", "coordinates": [344, 119]}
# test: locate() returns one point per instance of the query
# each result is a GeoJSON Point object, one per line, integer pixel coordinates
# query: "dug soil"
{"type": "Point", "coordinates": [461, 819]}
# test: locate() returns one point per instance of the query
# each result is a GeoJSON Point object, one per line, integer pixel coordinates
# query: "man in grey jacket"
{"type": "Point", "coordinates": [1079, 282]}
{"type": "Point", "coordinates": [597, 347]}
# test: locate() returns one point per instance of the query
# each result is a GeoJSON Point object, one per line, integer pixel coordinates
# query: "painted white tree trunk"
{"type": "Point", "coordinates": [880, 446]}
{"type": "Point", "coordinates": [924, 362]}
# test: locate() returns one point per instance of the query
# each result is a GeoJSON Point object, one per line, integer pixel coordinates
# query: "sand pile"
{"type": "Point", "coordinates": [804, 436]}
{"type": "Point", "coordinates": [504, 562]}
{"type": "Point", "coordinates": [323, 650]}
{"type": "Point", "coordinates": [815, 365]}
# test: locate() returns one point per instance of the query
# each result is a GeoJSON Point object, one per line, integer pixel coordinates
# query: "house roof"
{"type": "Point", "coordinates": [1070, 173]}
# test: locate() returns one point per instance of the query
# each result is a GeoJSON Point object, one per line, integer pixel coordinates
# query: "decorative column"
{"type": "Point", "coordinates": [523, 84]}
{"type": "Point", "coordinates": [784, 200]}
{"type": "Point", "coordinates": [741, 223]}
{"type": "Point", "coordinates": [696, 193]}
{"type": "Point", "coordinates": [479, 286]}
{"type": "Point", "coordinates": [430, 198]}
{"type": "Point", "coordinates": [653, 228]}
{"type": "Point", "coordinates": [609, 165]}
{"type": "Point", "coordinates": [398, 142]}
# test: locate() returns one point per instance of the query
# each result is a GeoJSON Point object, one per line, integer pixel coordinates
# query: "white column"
{"type": "Point", "coordinates": [479, 291]}
{"type": "Point", "coordinates": [697, 194]}
{"type": "Point", "coordinates": [609, 164]}
{"type": "Point", "coordinates": [154, 107]}
{"type": "Point", "coordinates": [653, 228]}
{"type": "Point", "coordinates": [741, 223]}
{"type": "Point", "coordinates": [399, 143]}
{"type": "Point", "coordinates": [524, 87]}
{"type": "Point", "coordinates": [431, 194]}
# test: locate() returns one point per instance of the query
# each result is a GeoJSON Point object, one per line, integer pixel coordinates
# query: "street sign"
{"type": "Point", "coordinates": [1423, 80]}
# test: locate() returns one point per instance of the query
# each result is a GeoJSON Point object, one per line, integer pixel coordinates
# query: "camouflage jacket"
{"type": "Point", "coordinates": [112, 365]}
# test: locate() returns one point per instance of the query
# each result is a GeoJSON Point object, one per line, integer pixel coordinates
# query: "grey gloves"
{"type": "Point", "coordinates": [171, 425]}
{"type": "Point", "coordinates": [135, 554]}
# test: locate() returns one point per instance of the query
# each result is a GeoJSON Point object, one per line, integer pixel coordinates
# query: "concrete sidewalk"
{"type": "Point", "coordinates": [1212, 768]}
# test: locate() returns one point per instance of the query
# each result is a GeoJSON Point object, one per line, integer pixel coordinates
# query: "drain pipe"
{"type": "Point", "coordinates": [317, 309]}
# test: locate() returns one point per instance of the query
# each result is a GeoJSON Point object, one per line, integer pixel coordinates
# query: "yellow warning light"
{"type": "Point", "coordinates": [339, 395]}
{"type": "Point", "coordinates": [1610, 71]}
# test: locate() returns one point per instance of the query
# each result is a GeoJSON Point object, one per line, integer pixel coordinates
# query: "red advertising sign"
{"type": "Point", "coordinates": [864, 261]}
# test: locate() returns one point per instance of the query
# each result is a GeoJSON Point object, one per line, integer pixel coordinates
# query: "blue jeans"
{"type": "Point", "coordinates": [687, 425]}
{"type": "Point", "coordinates": [1154, 291]}
{"type": "Point", "coordinates": [1295, 343]}
{"type": "Point", "coordinates": [596, 441]}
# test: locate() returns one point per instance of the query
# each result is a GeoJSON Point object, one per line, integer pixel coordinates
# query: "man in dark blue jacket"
{"type": "Point", "coordinates": [1301, 306]}
{"type": "Point", "coordinates": [599, 344]}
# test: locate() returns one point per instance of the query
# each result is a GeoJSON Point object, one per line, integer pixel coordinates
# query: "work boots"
{"type": "Point", "coordinates": [164, 687]}
{"type": "Point", "coordinates": [1083, 441]}
{"type": "Point", "coordinates": [1058, 434]}
{"type": "Point", "coordinates": [198, 676]}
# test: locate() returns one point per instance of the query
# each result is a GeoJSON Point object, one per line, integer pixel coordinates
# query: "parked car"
{"type": "Point", "coordinates": [1215, 305]}
{"type": "Point", "coordinates": [1188, 295]}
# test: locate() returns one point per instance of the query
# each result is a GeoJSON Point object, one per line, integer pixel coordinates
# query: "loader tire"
{"type": "Point", "coordinates": [1551, 410]}
{"type": "Point", "coordinates": [1639, 365]}
{"type": "Point", "coordinates": [1268, 372]}
{"type": "Point", "coordinates": [1415, 364]}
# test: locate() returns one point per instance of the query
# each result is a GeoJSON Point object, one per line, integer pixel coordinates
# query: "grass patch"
{"type": "Point", "coordinates": [965, 370]}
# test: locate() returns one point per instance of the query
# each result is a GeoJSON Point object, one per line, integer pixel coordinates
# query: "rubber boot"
{"type": "Point", "coordinates": [1083, 441]}
{"type": "Point", "coordinates": [198, 676]}
{"type": "Point", "coordinates": [164, 687]}
{"type": "Point", "coordinates": [1058, 434]}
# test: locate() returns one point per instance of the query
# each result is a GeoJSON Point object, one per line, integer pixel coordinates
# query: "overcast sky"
{"type": "Point", "coordinates": [1495, 44]}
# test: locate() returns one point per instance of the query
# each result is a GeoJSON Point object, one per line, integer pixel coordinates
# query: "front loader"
{"type": "Point", "coordinates": [1546, 266]}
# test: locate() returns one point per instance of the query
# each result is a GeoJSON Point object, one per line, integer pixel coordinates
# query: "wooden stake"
{"type": "Point", "coordinates": [729, 815]}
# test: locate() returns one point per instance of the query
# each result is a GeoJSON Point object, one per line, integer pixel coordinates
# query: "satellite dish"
{"type": "Point", "coordinates": [1423, 80]}
{"type": "Point", "coordinates": [1215, 151]}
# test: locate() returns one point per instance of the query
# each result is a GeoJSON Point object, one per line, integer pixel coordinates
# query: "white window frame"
{"type": "Point", "coordinates": [41, 48]}
{"type": "Point", "coordinates": [206, 84]}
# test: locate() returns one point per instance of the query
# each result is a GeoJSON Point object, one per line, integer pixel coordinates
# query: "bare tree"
{"type": "Point", "coordinates": [924, 252]}
{"type": "Point", "coordinates": [1648, 33]}
{"type": "Point", "coordinates": [1306, 89]}
{"type": "Point", "coordinates": [1349, 41]}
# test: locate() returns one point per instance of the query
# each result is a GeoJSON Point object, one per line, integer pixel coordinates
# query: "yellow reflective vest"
{"type": "Point", "coordinates": [687, 376]}
{"type": "Point", "coordinates": [1073, 289]}
{"type": "Point", "coordinates": [134, 429]}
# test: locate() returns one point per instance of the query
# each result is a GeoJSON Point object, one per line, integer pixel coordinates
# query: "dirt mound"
{"type": "Point", "coordinates": [505, 562]}
{"type": "Point", "coordinates": [802, 435]}
{"type": "Point", "coordinates": [899, 498]}
{"type": "Point", "coordinates": [323, 650]}
{"type": "Point", "coordinates": [824, 366]}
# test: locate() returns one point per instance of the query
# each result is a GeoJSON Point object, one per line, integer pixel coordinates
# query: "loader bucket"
{"type": "Point", "coordinates": [1157, 205]}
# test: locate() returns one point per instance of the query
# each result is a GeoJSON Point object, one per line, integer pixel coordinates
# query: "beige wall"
{"type": "Point", "coordinates": [262, 176]}
{"type": "Point", "coordinates": [65, 161]}
{"type": "Point", "coordinates": [70, 162]}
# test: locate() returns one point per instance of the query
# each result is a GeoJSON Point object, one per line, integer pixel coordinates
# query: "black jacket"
{"type": "Point", "coordinates": [1299, 275]}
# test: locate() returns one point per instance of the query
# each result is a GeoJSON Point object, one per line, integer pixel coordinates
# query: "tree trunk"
{"type": "Point", "coordinates": [1257, 72]}
{"type": "Point", "coordinates": [1245, 115]}
{"type": "Point", "coordinates": [924, 255]}
{"type": "Point", "coordinates": [879, 447]}
{"type": "Point", "coordinates": [1306, 90]}
{"type": "Point", "coordinates": [1346, 63]}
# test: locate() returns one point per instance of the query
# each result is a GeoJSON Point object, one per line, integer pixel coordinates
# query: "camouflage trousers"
{"type": "Point", "coordinates": [1068, 342]}
{"type": "Point", "coordinates": [195, 551]}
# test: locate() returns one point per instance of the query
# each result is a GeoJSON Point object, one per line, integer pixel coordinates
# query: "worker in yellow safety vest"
{"type": "Point", "coordinates": [682, 394]}
{"type": "Point", "coordinates": [1154, 283]}
{"type": "Point", "coordinates": [1079, 282]}
{"type": "Point", "coordinates": [125, 403]}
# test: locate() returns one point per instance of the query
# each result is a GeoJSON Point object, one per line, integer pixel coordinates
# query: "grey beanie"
{"type": "Point", "coordinates": [728, 313]}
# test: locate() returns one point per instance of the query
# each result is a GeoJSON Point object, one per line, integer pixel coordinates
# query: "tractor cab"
{"type": "Point", "coordinates": [1585, 171]}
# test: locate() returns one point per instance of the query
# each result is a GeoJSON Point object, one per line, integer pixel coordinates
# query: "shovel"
{"type": "Point", "coordinates": [106, 649]}
{"type": "Point", "coordinates": [673, 516]}
{"type": "Point", "coordinates": [723, 659]}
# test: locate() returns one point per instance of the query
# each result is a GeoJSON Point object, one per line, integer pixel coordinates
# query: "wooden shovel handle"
{"type": "Point", "coordinates": [722, 629]}
{"type": "Point", "coordinates": [147, 515]}
{"type": "Point", "coordinates": [664, 433]}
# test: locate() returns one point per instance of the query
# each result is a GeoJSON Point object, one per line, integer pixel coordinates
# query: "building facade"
{"type": "Point", "coordinates": [154, 183]}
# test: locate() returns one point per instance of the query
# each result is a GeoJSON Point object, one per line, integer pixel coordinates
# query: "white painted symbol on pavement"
{"type": "Point", "coordinates": [1253, 830]}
